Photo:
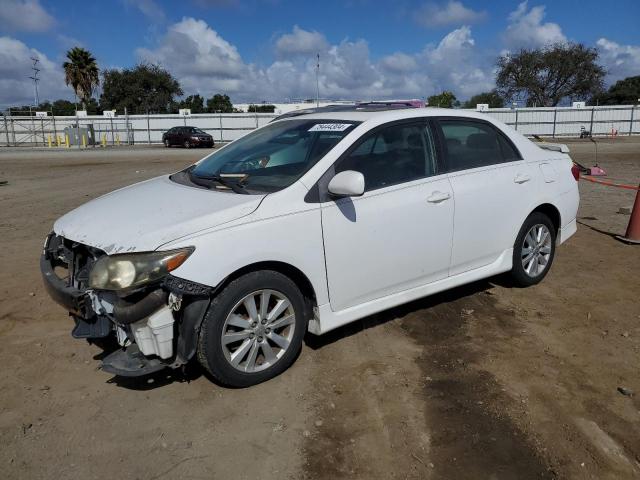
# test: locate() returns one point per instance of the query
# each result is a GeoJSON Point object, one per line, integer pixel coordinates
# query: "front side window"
{"type": "Point", "coordinates": [392, 155]}
{"type": "Point", "coordinates": [473, 144]}
{"type": "Point", "coordinates": [273, 157]}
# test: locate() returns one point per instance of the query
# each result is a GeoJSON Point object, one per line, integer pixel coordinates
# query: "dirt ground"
{"type": "Point", "coordinates": [482, 382]}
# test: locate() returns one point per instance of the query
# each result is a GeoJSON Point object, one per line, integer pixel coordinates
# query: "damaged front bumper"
{"type": "Point", "coordinates": [156, 326]}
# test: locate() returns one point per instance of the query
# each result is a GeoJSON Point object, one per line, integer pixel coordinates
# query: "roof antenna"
{"type": "Point", "coordinates": [318, 82]}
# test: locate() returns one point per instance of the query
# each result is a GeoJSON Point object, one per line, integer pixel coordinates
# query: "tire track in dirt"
{"type": "Point", "coordinates": [405, 398]}
{"type": "Point", "coordinates": [473, 434]}
{"type": "Point", "coordinates": [367, 404]}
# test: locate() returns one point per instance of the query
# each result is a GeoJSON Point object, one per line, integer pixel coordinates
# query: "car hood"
{"type": "Point", "coordinates": [146, 215]}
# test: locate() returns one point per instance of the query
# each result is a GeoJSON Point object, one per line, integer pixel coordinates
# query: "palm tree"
{"type": "Point", "coordinates": [81, 72]}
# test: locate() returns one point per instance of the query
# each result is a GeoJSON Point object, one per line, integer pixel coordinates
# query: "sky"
{"type": "Point", "coordinates": [265, 50]}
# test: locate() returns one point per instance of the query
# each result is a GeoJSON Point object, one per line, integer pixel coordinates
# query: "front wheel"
{"type": "Point", "coordinates": [534, 250]}
{"type": "Point", "coordinates": [253, 329]}
{"type": "Point", "coordinates": [166, 143]}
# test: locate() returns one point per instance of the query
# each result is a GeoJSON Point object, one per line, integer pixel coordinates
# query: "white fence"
{"type": "Point", "coordinates": [148, 129]}
{"type": "Point", "coordinates": [567, 121]}
{"type": "Point", "coordinates": [132, 129]}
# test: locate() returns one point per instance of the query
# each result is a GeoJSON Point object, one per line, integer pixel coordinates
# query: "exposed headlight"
{"type": "Point", "coordinates": [127, 270]}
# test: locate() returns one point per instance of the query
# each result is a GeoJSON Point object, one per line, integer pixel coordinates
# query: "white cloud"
{"type": "Point", "coordinates": [620, 60]}
{"type": "Point", "coordinates": [399, 62]}
{"type": "Point", "coordinates": [149, 8]}
{"type": "Point", "coordinates": [15, 68]}
{"type": "Point", "coordinates": [456, 64]}
{"type": "Point", "coordinates": [526, 30]}
{"type": "Point", "coordinates": [200, 58]}
{"type": "Point", "coordinates": [24, 15]}
{"type": "Point", "coordinates": [432, 15]}
{"type": "Point", "coordinates": [206, 63]}
{"type": "Point", "coordinates": [301, 42]}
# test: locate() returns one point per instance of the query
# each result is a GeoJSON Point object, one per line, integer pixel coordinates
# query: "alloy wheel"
{"type": "Point", "coordinates": [258, 331]}
{"type": "Point", "coordinates": [536, 250]}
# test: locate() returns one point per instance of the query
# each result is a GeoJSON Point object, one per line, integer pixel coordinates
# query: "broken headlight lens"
{"type": "Point", "coordinates": [127, 270]}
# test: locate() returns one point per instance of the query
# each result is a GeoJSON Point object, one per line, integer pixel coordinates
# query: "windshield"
{"type": "Point", "coordinates": [196, 130]}
{"type": "Point", "coordinates": [275, 156]}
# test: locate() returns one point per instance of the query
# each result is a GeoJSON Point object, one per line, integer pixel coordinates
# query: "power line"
{"type": "Point", "coordinates": [35, 79]}
{"type": "Point", "coordinates": [318, 82]}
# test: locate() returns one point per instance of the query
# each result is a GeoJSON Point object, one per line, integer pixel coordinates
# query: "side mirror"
{"type": "Point", "coordinates": [347, 184]}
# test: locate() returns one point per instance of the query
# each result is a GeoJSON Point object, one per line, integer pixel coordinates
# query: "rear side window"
{"type": "Point", "coordinates": [392, 155]}
{"type": "Point", "coordinates": [472, 144]}
{"type": "Point", "coordinates": [509, 152]}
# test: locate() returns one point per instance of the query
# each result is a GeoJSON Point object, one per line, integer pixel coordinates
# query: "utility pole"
{"type": "Point", "coordinates": [35, 79]}
{"type": "Point", "coordinates": [318, 82]}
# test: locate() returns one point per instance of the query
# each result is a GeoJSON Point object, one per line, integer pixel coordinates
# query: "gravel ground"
{"type": "Point", "coordinates": [484, 381]}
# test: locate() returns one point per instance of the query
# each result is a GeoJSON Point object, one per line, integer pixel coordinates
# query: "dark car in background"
{"type": "Point", "coordinates": [187, 137]}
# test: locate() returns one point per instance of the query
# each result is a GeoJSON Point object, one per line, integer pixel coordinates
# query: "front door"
{"type": "Point", "coordinates": [396, 236]}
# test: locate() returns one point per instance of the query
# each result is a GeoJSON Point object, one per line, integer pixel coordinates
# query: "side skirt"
{"type": "Point", "coordinates": [326, 319]}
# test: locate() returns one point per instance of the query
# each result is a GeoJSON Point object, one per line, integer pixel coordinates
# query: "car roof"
{"type": "Point", "coordinates": [390, 115]}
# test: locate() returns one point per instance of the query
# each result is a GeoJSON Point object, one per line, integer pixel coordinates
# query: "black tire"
{"type": "Point", "coordinates": [187, 144]}
{"type": "Point", "coordinates": [518, 273]}
{"type": "Point", "coordinates": [167, 143]}
{"type": "Point", "coordinates": [211, 353]}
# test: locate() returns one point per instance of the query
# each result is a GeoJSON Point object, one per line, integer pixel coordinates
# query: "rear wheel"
{"type": "Point", "coordinates": [253, 329]}
{"type": "Point", "coordinates": [187, 144]}
{"type": "Point", "coordinates": [534, 250]}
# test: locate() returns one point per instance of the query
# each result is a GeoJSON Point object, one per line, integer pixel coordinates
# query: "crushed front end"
{"type": "Point", "coordinates": [154, 316]}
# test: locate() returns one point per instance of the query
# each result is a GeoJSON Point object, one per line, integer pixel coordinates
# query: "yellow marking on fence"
{"type": "Point", "coordinates": [66, 140]}
{"type": "Point", "coordinates": [117, 139]}
{"type": "Point", "coordinates": [49, 140]}
{"type": "Point", "coordinates": [104, 140]}
{"type": "Point", "coordinates": [84, 141]}
{"type": "Point", "coordinates": [58, 140]}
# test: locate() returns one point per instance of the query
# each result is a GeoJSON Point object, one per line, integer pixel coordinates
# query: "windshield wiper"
{"type": "Point", "coordinates": [224, 181]}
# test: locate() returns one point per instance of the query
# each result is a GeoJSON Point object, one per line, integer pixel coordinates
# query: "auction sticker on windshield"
{"type": "Point", "coordinates": [330, 127]}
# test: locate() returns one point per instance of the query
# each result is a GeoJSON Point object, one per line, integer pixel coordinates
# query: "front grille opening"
{"type": "Point", "coordinates": [72, 261]}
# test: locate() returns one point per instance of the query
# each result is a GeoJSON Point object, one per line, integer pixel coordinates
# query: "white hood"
{"type": "Point", "coordinates": [149, 214]}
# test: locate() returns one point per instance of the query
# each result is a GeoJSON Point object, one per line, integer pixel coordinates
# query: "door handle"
{"type": "Point", "coordinates": [520, 178]}
{"type": "Point", "coordinates": [437, 197]}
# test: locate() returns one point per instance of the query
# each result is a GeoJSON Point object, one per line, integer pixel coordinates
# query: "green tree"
{"type": "Point", "coordinates": [81, 72]}
{"type": "Point", "coordinates": [262, 108]}
{"type": "Point", "coordinates": [546, 76]}
{"type": "Point", "coordinates": [623, 92]}
{"type": "Point", "coordinates": [21, 110]}
{"type": "Point", "coordinates": [445, 99]}
{"type": "Point", "coordinates": [58, 108]}
{"type": "Point", "coordinates": [492, 98]}
{"type": "Point", "coordinates": [63, 107]}
{"type": "Point", "coordinates": [219, 103]}
{"type": "Point", "coordinates": [193, 102]}
{"type": "Point", "coordinates": [144, 88]}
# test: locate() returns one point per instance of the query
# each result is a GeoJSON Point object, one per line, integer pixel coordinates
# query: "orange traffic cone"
{"type": "Point", "coordinates": [633, 230]}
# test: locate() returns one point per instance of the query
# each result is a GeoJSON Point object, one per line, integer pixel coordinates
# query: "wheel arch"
{"type": "Point", "coordinates": [552, 212]}
{"type": "Point", "coordinates": [295, 274]}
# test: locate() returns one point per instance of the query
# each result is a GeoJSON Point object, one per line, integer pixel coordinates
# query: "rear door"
{"type": "Point", "coordinates": [396, 236]}
{"type": "Point", "coordinates": [493, 190]}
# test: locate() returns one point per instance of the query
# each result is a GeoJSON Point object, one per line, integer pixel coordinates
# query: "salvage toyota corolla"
{"type": "Point", "coordinates": [306, 224]}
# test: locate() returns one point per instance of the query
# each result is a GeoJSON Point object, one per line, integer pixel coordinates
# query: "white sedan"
{"type": "Point", "coordinates": [308, 223]}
